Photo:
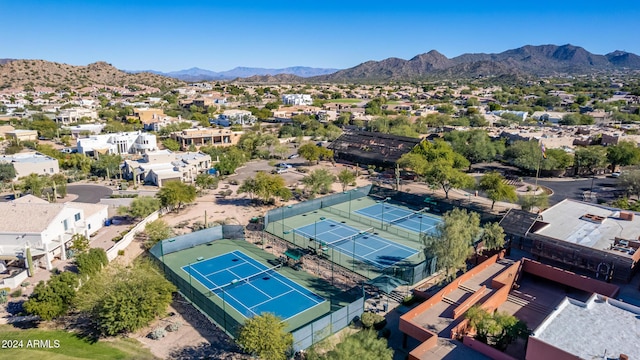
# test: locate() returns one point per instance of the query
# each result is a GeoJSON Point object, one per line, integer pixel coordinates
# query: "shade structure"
{"type": "Point", "coordinates": [386, 283]}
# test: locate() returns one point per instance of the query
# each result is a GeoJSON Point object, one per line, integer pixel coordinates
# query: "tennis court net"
{"type": "Point", "coordinates": [350, 238]}
{"type": "Point", "coordinates": [410, 216]}
{"type": "Point", "coordinates": [248, 279]}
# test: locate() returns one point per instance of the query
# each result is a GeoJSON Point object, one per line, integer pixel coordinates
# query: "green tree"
{"type": "Point", "coordinates": [77, 161]}
{"type": "Point", "coordinates": [346, 177]}
{"type": "Point", "coordinates": [452, 242]}
{"type": "Point", "coordinates": [439, 165]}
{"type": "Point", "coordinates": [528, 202]}
{"type": "Point", "coordinates": [265, 336]}
{"type": "Point", "coordinates": [363, 345]}
{"type": "Point", "coordinates": [174, 194]}
{"type": "Point", "coordinates": [590, 158]}
{"type": "Point", "coordinates": [577, 119]}
{"type": "Point", "coordinates": [318, 181]}
{"type": "Point", "coordinates": [497, 190]}
{"type": "Point", "coordinates": [629, 181]}
{"type": "Point", "coordinates": [206, 181]}
{"type": "Point", "coordinates": [125, 299]}
{"type": "Point", "coordinates": [142, 206]}
{"type": "Point", "coordinates": [91, 262]}
{"type": "Point", "coordinates": [79, 243]}
{"type": "Point", "coordinates": [527, 155]}
{"type": "Point", "coordinates": [498, 329]}
{"type": "Point", "coordinates": [171, 144]}
{"type": "Point", "coordinates": [265, 187]}
{"type": "Point", "coordinates": [156, 231]}
{"type": "Point", "coordinates": [33, 183]}
{"type": "Point", "coordinates": [475, 145]}
{"type": "Point", "coordinates": [59, 184]}
{"type": "Point", "coordinates": [230, 160]}
{"type": "Point", "coordinates": [493, 236]}
{"type": "Point", "coordinates": [107, 165]}
{"type": "Point", "coordinates": [52, 299]}
{"type": "Point", "coordinates": [311, 152]}
{"type": "Point", "coordinates": [7, 172]}
{"type": "Point", "coordinates": [625, 153]}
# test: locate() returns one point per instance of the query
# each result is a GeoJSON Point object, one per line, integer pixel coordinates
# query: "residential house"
{"type": "Point", "coordinates": [297, 99]}
{"type": "Point", "coordinates": [22, 135]}
{"type": "Point", "coordinates": [68, 116]}
{"type": "Point", "coordinates": [158, 167]}
{"type": "Point", "coordinates": [80, 130]}
{"type": "Point", "coordinates": [234, 117]}
{"type": "Point", "coordinates": [49, 231]}
{"type": "Point", "coordinates": [205, 137]}
{"type": "Point", "coordinates": [135, 142]}
{"type": "Point", "coordinates": [31, 163]}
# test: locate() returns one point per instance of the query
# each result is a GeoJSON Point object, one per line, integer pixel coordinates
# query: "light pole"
{"type": "Point", "coordinates": [382, 216]}
{"type": "Point", "coordinates": [288, 206]}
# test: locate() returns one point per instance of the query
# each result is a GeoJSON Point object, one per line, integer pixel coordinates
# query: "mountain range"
{"type": "Point", "coordinates": [526, 61]}
{"type": "Point", "coordinates": [543, 60]}
{"type": "Point", "coordinates": [198, 74]}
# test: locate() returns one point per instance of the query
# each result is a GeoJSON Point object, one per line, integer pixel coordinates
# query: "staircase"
{"type": "Point", "coordinates": [528, 304]}
{"type": "Point", "coordinates": [466, 288]}
{"type": "Point", "coordinates": [449, 301]}
{"type": "Point", "coordinates": [396, 296]}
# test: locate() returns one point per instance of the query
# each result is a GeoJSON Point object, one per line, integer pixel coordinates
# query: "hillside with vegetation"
{"type": "Point", "coordinates": [33, 73]}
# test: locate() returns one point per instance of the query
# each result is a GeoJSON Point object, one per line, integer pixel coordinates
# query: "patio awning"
{"type": "Point", "coordinates": [386, 283]}
{"type": "Point", "coordinates": [293, 254]}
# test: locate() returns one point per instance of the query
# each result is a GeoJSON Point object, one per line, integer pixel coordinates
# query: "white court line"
{"type": "Point", "coordinates": [249, 283]}
{"type": "Point", "coordinates": [238, 301]}
{"type": "Point", "coordinates": [231, 267]}
{"type": "Point", "coordinates": [309, 308]}
{"type": "Point", "coordinates": [275, 297]}
{"type": "Point", "coordinates": [208, 288]}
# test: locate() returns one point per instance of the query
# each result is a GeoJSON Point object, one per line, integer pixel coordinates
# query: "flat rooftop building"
{"type": "Point", "coordinates": [31, 163]}
{"type": "Point", "coordinates": [601, 328]}
{"type": "Point", "coordinates": [599, 240]}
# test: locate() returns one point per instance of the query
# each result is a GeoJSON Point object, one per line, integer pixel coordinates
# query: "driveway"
{"type": "Point", "coordinates": [89, 193]}
{"type": "Point", "coordinates": [603, 188]}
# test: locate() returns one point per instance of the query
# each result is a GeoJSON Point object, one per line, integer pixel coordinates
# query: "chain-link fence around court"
{"type": "Point", "coordinates": [175, 253]}
{"type": "Point", "coordinates": [286, 222]}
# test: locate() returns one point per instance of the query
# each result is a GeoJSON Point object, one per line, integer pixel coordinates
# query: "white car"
{"type": "Point", "coordinates": [293, 156]}
{"type": "Point", "coordinates": [615, 174]}
{"type": "Point", "coordinates": [284, 166]}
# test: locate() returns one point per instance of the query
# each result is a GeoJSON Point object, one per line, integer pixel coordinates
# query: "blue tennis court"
{"type": "Point", "coordinates": [358, 244]}
{"type": "Point", "coordinates": [251, 287]}
{"type": "Point", "coordinates": [388, 214]}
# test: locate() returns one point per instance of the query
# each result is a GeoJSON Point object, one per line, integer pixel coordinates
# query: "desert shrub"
{"type": "Point", "coordinates": [174, 326]}
{"type": "Point", "coordinates": [157, 333]}
{"type": "Point", "coordinates": [370, 320]}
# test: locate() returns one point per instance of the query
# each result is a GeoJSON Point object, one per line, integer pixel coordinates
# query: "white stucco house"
{"type": "Point", "coordinates": [46, 228]}
{"type": "Point", "coordinates": [297, 99]}
{"type": "Point", "coordinates": [135, 142]}
{"type": "Point", "coordinates": [158, 167]}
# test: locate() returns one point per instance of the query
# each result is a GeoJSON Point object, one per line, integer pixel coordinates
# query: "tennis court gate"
{"type": "Point", "coordinates": [326, 326]}
{"type": "Point", "coordinates": [202, 302]}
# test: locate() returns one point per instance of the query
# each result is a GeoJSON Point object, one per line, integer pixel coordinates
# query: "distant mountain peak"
{"type": "Point", "coordinates": [534, 60]}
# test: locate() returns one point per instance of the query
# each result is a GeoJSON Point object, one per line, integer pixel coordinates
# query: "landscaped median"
{"type": "Point", "coordinates": [59, 344]}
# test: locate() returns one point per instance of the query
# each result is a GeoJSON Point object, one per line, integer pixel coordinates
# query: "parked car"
{"type": "Point", "coordinates": [284, 166]}
{"type": "Point", "coordinates": [293, 156]}
{"type": "Point", "coordinates": [280, 170]}
{"type": "Point", "coordinates": [615, 174]}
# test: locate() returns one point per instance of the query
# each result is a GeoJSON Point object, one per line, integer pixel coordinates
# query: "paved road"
{"type": "Point", "coordinates": [89, 193]}
{"type": "Point", "coordinates": [603, 187]}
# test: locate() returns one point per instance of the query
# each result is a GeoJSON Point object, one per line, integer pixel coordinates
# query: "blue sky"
{"type": "Point", "coordinates": [216, 35]}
